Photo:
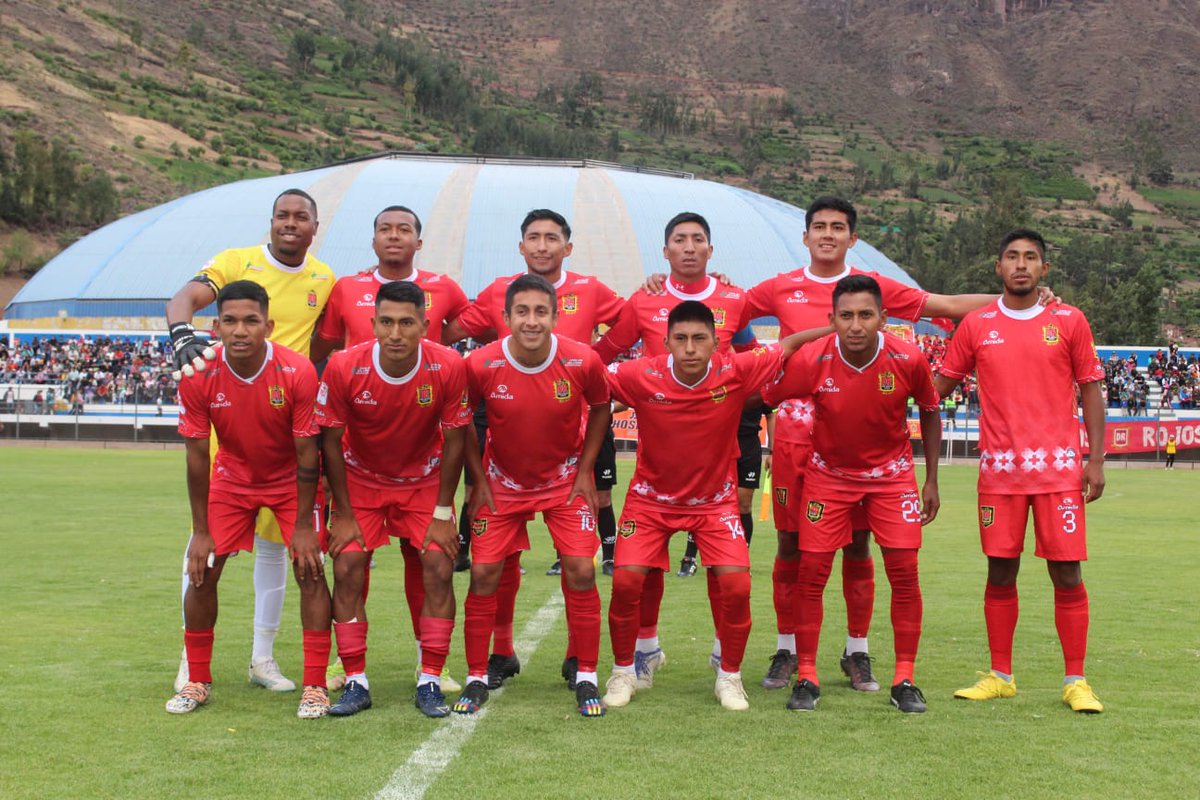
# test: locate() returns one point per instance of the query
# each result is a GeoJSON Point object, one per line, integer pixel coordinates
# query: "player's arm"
{"type": "Point", "coordinates": [598, 421]}
{"type": "Point", "coordinates": [306, 548]}
{"type": "Point", "coordinates": [321, 348]}
{"type": "Point", "coordinates": [931, 443]}
{"type": "Point", "coordinates": [195, 295]}
{"type": "Point", "coordinates": [791, 344]}
{"type": "Point", "coordinates": [343, 528]}
{"type": "Point", "coordinates": [474, 321]}
{"type": "Point", "coordinates": [1093, 423]}
{"type": "Point", "coordinates": [944, 384]}
{"type": "Point", "coordinates": [622, 335]}
{"type": "Point", "coordinates": [200, 548]}
{"type": "Point", "coordinates": [957, 306]}
{"type": "Point", "coordinates": [442, 530]}
{"type": "Point", "coordinates": [767, 457]}
{"type": "Point", "coordinates": [481, 490]}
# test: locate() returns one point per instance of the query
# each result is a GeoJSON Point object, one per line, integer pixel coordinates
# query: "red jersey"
{"type": "Point", "coordinates": [1028, 363]}
{"type": "Point", "coordinates": [686, 434]}
{"type": "Point", "coordinates": [801, 301]}
{"type": "Point", "coordinates": [393, 426]}
{"type": "Point", "coordinates": [645, 317]}
{"type": "Point", "coordinates": [535, 434]}
{"type": "Point", "coordinates": [860, 431]}
{"type": "Point", "coordinates": [351, 307]}
{"type": "Point", "coordinates": [257, 420]}
{"type": "Point", "coordinates": [583, 303]}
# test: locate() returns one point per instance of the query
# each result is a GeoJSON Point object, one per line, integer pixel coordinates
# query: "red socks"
{"type": "Point", "coordinates": [858, 587]}
{"type": "Point", "coordinates": [414, 585]}
{"type": "Point", "coordinates": [783, 583]}
{"type": "Point", "coordinates": [714, 602]}
{"type": "Point", "coordinates": [583, 626]}
{"type": "Point", "coordinates": [1001, 608]}
{"type": "Point", "coordinates": [1071, 619]}
{"type": "Point", "coordinates": [809, 609]}
{"type": "Point", "coordinates": [907, 608]}
{"type": "Point", "coordinates": [733, 626]}
{"type": "Point", "coordinates": [479, 618]}
{"type": "Point", "coordinates": [651, 601]}
{"type": "Point", "coordinates": [317, 645]}
{"type": "Point", "coordinates": [623, 612]}
{"type": "Point", "coordinates": [506, 605]}
{"type": "Point", "coordinates": [352, 646]}
{"type": "Point", "coordinates": [435, 644]}
{"type": "Point", "coordinates": [199, 646]}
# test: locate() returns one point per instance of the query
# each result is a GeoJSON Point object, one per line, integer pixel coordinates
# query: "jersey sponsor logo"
{"type": "Point", "coordinates": [797, 297]}
{"type": "Point", "coordinates": [987, 315]}
{"type": "Point", "coordinates": [993, 337]}
{"type": "Point", "coordinates": [362, 370]}
{"type": "Point", "coordinates": [323, 393]}
{"type": "Point", "coordinates": [220, 401]}
{"type": "Point", "coordinates": [898, 356]}
{"type": "Point", "coordinates": [579, 281]}
{"type": "Point", "coordinates": [887, 382]}
{"type": "Point", "coordinates": [433, 367]}
{"type": "Point", "coordinates": [734, 523]}
{"type": "Point", "coordinates": [312, 299]}
{"type": "Point", "coordinates": [628, 528]}
{"type": "Point", "coordinates": [586, 521]}
{"type": "Point", "coordinates": [478, 527]}
{"type": "Point", "coordinates": [718, 394]}
{"type": "Point", "coordinates": [364, 398]}
{"type": "Point", "coordinates": [500, 393]}
{"type": "Point", "coordinates": [1050, 334]}
{"type": "Point", "coordinates": [569, 303]}
{"type": "Point", "coordinates": [253, 268]}
{"type": "Point", "coordinates": [428, 300]}
{"type": "Point", "coordinates": [368, 299]}
{"type": "Point", "coordinates": [497, 363]}
{"type": "Point", "coordinates": [661, 316]}
{"type": "Point", "coordinates": [781, 494]}
{"type": "Point", "coordinates": [277, 396]}
{"type": "Point", "coordinates": [828, 386]}
{"type": "Point", "coordinates": [719, 317]}
{"type": "Point", "coordinates": [317, 276]}
{"type": "Point", "coordinates": [815, 511]}
{"type": "Point", "coordinates": [987, 516]}
{"type": "Point", "coordinates": [658, 398]}
{"type": "Point", "coordinates": [425, 394]}
{"type": "Point", "coordinates": [573, 362]}
{"type": "Point", "coordinates": [562, 390]}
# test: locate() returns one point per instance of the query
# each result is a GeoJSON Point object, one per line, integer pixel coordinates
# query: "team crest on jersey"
{"type": "Point", "coordinates": [277, 397]}
{"type": "Point", "coordinates": [987, 516]}
{"type": "Point", "coordinates": [628, 528]}
{"type": "Point", "coordinates": [464, 402]}
{"type": "Point", "coordinates": [781, 495]}
{"type": "Point", "coordinates": [719, 317]}
{"type": "Point", "coordinates": [312, 299]}
{"type": "Point", "coordinates": [478, 527]}
{"type": "Point", "coordinates": [887, 382]}
{"type": "Point", "coordinates": [570, 303]}
{"type": "Point", "coordinates": [428, 300]}
{"type": "Point", "coordinates": [1050, 334]}
{"type": "Point", "coordinates": [562, 390]}
{"type": "Point", "coordinates": [718, 394]}
{"type": "Point", "coordinates": [815, 511]}
{"type": "Point", "coordinates": [425, 394]}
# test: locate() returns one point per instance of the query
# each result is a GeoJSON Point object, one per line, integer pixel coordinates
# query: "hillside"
{"type": "Point", "coordinates": [930, 114]}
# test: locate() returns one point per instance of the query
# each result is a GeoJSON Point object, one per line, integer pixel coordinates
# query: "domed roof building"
{"type": "Point", "coordinates": [121, 275]}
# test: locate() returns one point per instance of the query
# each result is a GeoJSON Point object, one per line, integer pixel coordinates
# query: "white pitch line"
{"type": "Point", "coordinates": [414, 777]}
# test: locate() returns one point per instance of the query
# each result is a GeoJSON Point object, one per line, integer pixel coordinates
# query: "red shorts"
{"type": "Point", "coordinates": [495, 535]}
{"type": "Point", "coordinates": [787, 473]}
{"type": "Point", "coordinates": [645, 530]}
{"type": "Point", "coordinates": [383, 511]}
{"type": "Point", "coordinates": [832, 511]}
{"type": "Point", "coordinates": [231, 518]}
{"type": "Point", "coordinates": [1058, 525]}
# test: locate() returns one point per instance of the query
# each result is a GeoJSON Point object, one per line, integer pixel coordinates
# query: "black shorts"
{"type": "Point", "coordinates": [749, 463]}
{"type": "Point", "coordinates": [605, 470]}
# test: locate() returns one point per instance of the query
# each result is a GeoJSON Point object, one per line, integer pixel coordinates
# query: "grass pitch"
{"type": "Point", "coordinates": [89, 586]}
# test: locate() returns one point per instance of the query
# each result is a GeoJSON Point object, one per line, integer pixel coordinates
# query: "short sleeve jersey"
{"type": "Point", "coordinates": [257, 419]}
{"type": "Point", "coordinates": [645, 317]}
{"type": "Point", "coordinates": [1027, 362]}
{"type": "Point", "coordinates": [298, 294]}
{"type": "Point", "coordinates": [860, 430]}
{"type": "Point", "coordinates": [351, 308]}
{"type": "Point", "coordinates": [801, 301]}
{"type": "Point", "coordinates": [583, 304]}
{"type": "Point", "coordinates": [393, 426]}
{"type": "Point", "coordinates": [686, 434]}
{"type": "Point", "coordinates": [535, 414]}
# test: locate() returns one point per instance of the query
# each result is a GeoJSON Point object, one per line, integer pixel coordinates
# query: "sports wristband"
{"type": "Point", "coordinates": [443, 513]}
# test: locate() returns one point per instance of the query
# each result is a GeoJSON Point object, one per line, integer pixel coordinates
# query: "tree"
{"type": "Point", "coordinates": [303, 49]}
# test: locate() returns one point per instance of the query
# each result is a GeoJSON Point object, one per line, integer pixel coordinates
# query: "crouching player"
{"type": "Point", "coordinates": [539, 388]}
{"type": "Point", "coordinates": [258, 395]}
{"type": "Point", "coordinates": [860, 379]}
{"type": "Point", "coordinates": [392, 414]}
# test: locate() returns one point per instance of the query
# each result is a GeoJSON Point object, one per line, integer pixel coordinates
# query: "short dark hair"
{"type": "Point", "coordinates": [295, 193]}
{"type": "Point", "coordinates": [244, 290]}
{"type": "Point", "coordinates": [831, 203]}
{"type": "Point", "coordinates": [857, 284]}
{"type": "Point", "coordinates": [691, 311]}
{"type": "Point", "coordinates": [686, 216]}
{"type": "Point", "coordinates": [545, 213]}
{"type": "Point", "coordinates": [1022, 233]}
{"type": "Point", "coordinates": [405, 209]}
{"type": "Point", "coordinates": [402, 292]}
{"type": "Point", "coordinates": [530, 282]}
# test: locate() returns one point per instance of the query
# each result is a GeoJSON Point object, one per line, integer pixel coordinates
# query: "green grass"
{"type": "Point", "coordinates": [1177, 197]}
{"type": "Point", "coordinates": [90, 592]}
{"type": "Point", "coordinates": [933, 194]}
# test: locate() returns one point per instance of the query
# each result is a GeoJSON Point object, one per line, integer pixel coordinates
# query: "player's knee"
{"type": "Point", "coordinates": [789, 545]}
{"type": "Point", "coordinates": [485, 578]}
{"type": "Point", "coordinates": [1003, 571]}
{"type": "Point", "coordinates": [580, 573]}
{"type": "Point", "coordinates": [735, 586]}
{"type": "Point", "coordinates": [859, 548]}
{"type": "Point", "coordinates": [1065, 574]}
{"type": "Point", "coordinates": [627, 584]}
{"type": "Point", "coordinates": [438, 570]}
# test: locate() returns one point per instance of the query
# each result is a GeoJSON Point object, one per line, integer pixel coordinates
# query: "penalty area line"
{"type": "Point", "coordinates": [413, 778]}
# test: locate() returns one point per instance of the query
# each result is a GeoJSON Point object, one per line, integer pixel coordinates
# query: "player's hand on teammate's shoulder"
{"type": "Point", "coordinates": [657, 281]}
{"type": "Point", "coordinates": [930, 502]}
{"type": "Point", "coordinates": [1047, 297]}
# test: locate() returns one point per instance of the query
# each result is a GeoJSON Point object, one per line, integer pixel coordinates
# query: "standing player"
{"type": "Point", "coordinates": [392, 415]}
{"type": "Point", "coordinates": [583, 304]}
{"type": "Point", "coordinates": [688, 403]}
{"type": "Point", "coordinates": [259, 397]}
{"type": "Point", "coordinates": [298, 285]}
{"type": "Point", "coordinates": [538, 387]}
{"type": "Point", "coordinates": [349, 320]}
{"type": "Point", "coordinates": [860, 379]}
{"type": "Point", "coordinates": [1029, 360]}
